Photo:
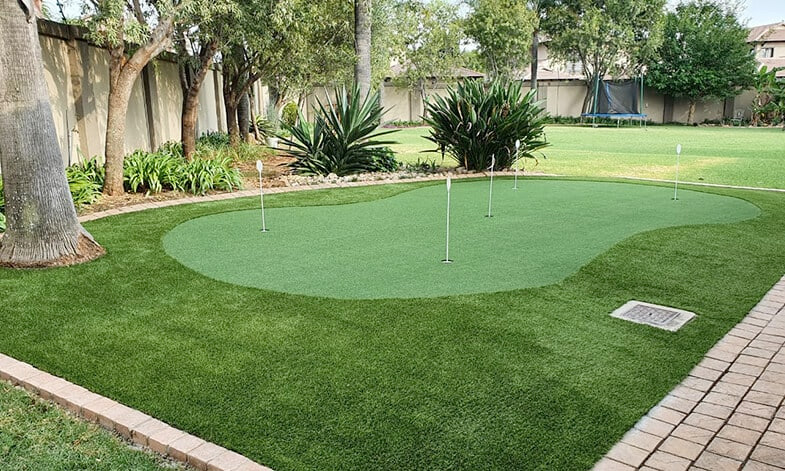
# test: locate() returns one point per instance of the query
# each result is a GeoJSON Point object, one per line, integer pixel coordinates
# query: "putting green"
{"type": "Point", "coordinates": [392, 248]}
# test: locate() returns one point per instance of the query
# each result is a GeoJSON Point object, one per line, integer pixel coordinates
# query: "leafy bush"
{"type": "Point", "coordinates": [290, 114]}
{"type": "Point", "coordinates": [173, 148]}
{"type": "Point", "coordinates": [85, 181]}
{"type": "Point", "coordinates": [425, 166]}
{"type": "Point", "coordinates": [342, 139]}
{"type": "Point", "coordinates": [152, 172]}
{"type": "Point", "coordinates": [477, 120]}
{"type": "Point", "coordinates": [385, 160]}
{"type": "Point", "coordinates": [202, 175]}
{"type": "Point", "coordinates": [155, 172]}
{"type": "Point", "coordinates": [213, 140]}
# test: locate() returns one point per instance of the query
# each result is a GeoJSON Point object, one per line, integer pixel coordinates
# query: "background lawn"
{"type": "Point", "coordinates": [538, 378]}
{"type": "Point", "coordinates": [732, 156]}
{"type": "Point", "coordinates": [38, 435]}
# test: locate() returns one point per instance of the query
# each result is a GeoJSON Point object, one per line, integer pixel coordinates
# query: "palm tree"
{"type": "Point", "coordinates": [42, 228]}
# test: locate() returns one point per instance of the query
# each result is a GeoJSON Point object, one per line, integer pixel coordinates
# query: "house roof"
{"type": "Point", "coordinates": [397, 70]}
{"type": "Point", "coordinates": [764, 33]}
{"type": "Point", "coordinates": [772, 63]}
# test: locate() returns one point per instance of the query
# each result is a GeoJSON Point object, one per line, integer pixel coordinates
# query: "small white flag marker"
{"type": "Point", "coordinates": [447, 245]}
{"type": "Point", "coordinates": [259, 168]}
{"type": "Point", "coordinates": [490, 192]}
{"type": "Point", "coordinates": [517, 153]}
{"type": "Point", "coordinates": [676, 182]}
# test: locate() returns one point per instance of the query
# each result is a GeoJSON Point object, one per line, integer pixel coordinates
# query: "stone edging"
{"type": "Point", "coordinates": [129, 423]}
{"type": "Point", "coordinates": [728, 413]}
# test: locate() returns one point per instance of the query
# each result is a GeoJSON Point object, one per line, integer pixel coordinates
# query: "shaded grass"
{"type": "Point", "coordinates": [732, 156]}
{"type": "Point", "coordinates": [538, 378]}
{"type": "Point", "coordinates": [37, 435]}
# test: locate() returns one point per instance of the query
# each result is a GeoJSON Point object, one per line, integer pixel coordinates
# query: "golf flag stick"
{"type": "Point", "coordinates": [490, 192]}
{"type": "Point", "coordinates": [259, 168]}
{"type": "Point", "coordinates": [676, 182]}
{"type": "Point", "coordinates": [447, 245]}
{"type": "Point", "coordinates": [517, 154]}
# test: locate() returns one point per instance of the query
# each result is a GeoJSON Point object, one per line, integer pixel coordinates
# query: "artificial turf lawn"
{"type": "Point", "coordinates": [392, 248]}
{"type": "Point", "coordinates": [36, 435]}
{"type": "Point", "coordinates": [538, 378]}
{"type": "Point", "coordinates": [732, 156]}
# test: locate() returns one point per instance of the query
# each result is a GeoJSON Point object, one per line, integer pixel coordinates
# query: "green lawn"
{"type": "Point", "coordinates": [732, 156]}
{"type": "Point", "coordinates": [355, 250]}
{"type": "Point", "coordinates": [535, 378]}
{"type": "Point", "coordinates": [37, 435]}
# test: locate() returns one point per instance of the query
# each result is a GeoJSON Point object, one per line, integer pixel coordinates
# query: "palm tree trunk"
{"type": "Point", "coordinates": [42, 228]}
{"type": "Point", "coordinates": [362, 45]}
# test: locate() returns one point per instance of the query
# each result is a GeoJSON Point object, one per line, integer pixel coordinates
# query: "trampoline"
{"type": "Point", "coordinates": [617, 100]}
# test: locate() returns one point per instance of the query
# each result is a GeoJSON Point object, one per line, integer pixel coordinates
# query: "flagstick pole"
{"type": "Point", "coordinates": [490, 192]}
{"type": "Point", "coordinates": [447, 244]}
{"type": "Point", "coordinates": [259, 168]}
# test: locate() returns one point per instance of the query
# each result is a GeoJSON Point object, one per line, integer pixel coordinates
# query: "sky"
{"type": "Point", "coordinates": [756, 12]}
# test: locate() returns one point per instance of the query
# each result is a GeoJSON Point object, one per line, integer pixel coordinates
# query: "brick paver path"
{"type": "Point", "coordinates": [728, 414]}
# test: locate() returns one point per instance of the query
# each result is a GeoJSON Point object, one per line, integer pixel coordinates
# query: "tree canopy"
{"type": "Point", "coordinates": [704, 55]}
{"type": "Point", "coordinates": [503, 31]}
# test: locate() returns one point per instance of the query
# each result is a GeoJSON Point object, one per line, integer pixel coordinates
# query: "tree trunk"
{"type": "Point", "coordinates": [244, 116]}
{"type": "Point", "coordinates": [535, 62]}
{"type": "Point", "coordinates": [191, 98]}
{"type": "Point", "coordinates": [362, 45]}
{"type": "Point", "coordinates": [42, 228]}
{"type": "Point", "coordinates": [691, 113]}
{"type": "Point", "coordinates": [273, 96]}
{"type": "Point", "coordinates": [122, 75]}
{"type": "Point", "coordinates": [117, 108]}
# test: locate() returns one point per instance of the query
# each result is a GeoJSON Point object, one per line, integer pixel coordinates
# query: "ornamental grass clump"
{"type": "Point", "coordinates": [343, 139]}
{"type": "Point", "coordinates": [477, 120]}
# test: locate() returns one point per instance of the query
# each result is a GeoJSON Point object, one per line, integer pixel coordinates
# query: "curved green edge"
{"type": "Point", "coordinates": [393, 247]}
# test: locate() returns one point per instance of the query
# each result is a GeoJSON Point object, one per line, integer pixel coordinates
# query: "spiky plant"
{"type": "Point", "coordinates": [343, 138]}
{"type": "Point", "coordinates": [476, 120]}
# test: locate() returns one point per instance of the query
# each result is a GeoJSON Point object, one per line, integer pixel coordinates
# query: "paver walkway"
{"type": "Point", "coordinates": [728, 414]}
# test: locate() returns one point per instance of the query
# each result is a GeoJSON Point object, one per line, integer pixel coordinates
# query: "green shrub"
{"type": "Point", "coordinates": [477, 120]}
{"type": "Point", "coordinates": [385, 160]}
{"type": "Point", "coordinates": [173, 148]}
{"type": "Point", "coordinates": [85, 181]}
{"type": "Point", "coordinates": [153, 172]}
{"type": "Point", "coordinates": [290, 114]}
{"type": "Point", "coordinates": [202, 175]}
{"type": "Point", "coordinates": [213, 140]}
{"type": "Point", "coordinates": [342, 139]}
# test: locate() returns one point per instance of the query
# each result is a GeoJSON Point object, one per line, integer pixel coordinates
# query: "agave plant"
{"type": "Point", "coordinates": [475, 121]}
{"type": "Point", "coordinates": [343, 138]}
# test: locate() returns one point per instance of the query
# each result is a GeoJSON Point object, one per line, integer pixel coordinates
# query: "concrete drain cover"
{"type": "Point", "coordinates": [661, 317]}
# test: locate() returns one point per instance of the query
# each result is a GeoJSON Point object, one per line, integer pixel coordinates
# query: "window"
{"type": "Point", "coordinates": [767, 52]}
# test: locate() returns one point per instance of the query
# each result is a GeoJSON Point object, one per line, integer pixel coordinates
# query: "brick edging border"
{"type": "Point", "coordinates": [132, 424]}
{"type": "Point", "coordinates": [680, 431]}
